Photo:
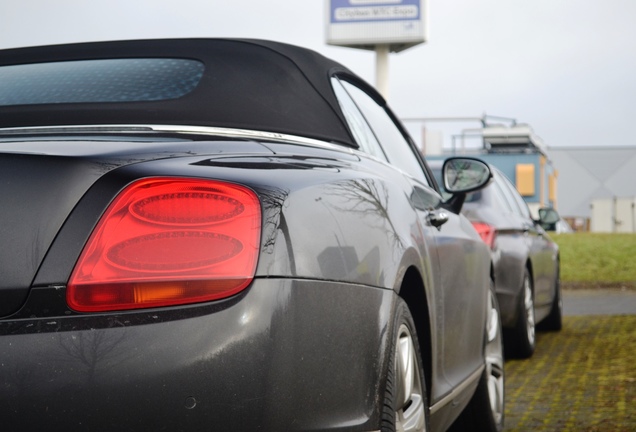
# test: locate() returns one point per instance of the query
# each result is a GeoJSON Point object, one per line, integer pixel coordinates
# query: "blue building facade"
{"type": "Point", "coordinates": [520, 155]}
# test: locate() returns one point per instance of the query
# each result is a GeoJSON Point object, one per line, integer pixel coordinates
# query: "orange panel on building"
{"type": "Point", "coordinates": [525, 179]}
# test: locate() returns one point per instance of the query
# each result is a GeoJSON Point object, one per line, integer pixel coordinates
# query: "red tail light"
{"type": "Point", "coordinates": [168, 241]}
{"type": "Point", "coordinates": [486, 232]}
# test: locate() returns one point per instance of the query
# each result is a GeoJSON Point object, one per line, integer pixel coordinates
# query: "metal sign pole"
{"type": "Point", "coordinates": [382, 70]}
{"type": "Point", "coordinates": [381, 25]}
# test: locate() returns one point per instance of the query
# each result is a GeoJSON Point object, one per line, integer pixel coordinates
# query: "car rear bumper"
{"type": "Point", "coordinates": [283, 355]}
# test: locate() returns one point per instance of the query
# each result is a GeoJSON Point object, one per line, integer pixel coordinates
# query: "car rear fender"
{"type": "Point", "coordinates": [322, 220]}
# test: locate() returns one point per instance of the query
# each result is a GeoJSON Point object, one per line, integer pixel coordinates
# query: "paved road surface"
{"type": "Point", "coordinates": [599, 302]}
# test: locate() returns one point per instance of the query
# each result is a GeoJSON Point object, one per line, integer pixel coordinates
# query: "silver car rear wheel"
{"type": "Point", "coordinates": [495, 362]}
{"type": "Point", "coordinates": [410, 415]}
{"type": "Point", "coordinates": [528, 303]}
{"type": "Point", "coordinates": [485, 411]}
{"type": "Point", "coordinates": [405, 407]}
{"type": "Point", "coordinates": [520, 340]}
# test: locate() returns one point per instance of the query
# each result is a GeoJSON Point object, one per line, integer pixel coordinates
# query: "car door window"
{"type": "Point", "coordinates": [525, 211]}
{"type": "Point", "coordinates": [510, 199]}
{"type": "Point", "coordinates": [396, 147]}
{"type": "Point", "coordinates": [500, 198]}
{"type": "Point", "coordinates": [520, 205]}
{"type": "Point", "coordinates": [361, 131]}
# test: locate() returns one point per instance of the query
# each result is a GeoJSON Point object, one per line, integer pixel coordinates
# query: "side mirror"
{"type": "Point", "coordinates": [548, 218]}
{"type": "Point", "coordinates": [461, 176]}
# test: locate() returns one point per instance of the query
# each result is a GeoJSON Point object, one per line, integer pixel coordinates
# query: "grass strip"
{"type": "Point", "coordinates": [592, 259]}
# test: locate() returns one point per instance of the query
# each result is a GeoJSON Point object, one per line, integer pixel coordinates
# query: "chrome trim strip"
{"type": "Point", "coordinates": [180, 129]}
{"type": "Point", "coordinates": [456, 391]}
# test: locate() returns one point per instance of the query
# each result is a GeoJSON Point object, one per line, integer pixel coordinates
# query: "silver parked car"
{"type": "Point", "coordinates": [526, 260]}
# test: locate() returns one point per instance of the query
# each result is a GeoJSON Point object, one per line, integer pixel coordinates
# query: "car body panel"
{"type": "Point", "coordinates": [460, 252]}
{"type": "Point", "coordinates": [269, 359]}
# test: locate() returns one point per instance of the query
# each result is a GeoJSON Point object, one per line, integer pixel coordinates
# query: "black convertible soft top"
{"type": "Point", "coordinates": [235, 83]}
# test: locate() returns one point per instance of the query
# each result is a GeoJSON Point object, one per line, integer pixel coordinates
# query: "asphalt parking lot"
{"type": "Point", "coordinates": [599, 302]}
{"type": "Point", "coordinates": [584, 377]}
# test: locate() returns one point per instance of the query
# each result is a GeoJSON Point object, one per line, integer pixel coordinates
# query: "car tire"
{"type": "Point", "coordinates": [405, 403]}
{"type": "Point", "coordinates": [520, 341]}
{"type": "Point", "coordinates": [554, 320]}
{"type": "Point", "coordinates": [485, 411]}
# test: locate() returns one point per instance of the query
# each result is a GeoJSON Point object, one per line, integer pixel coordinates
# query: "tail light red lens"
{"type": "Point", "coordinates": [486, 232]}
{"type": "Point", "coordinates": [169, 241]}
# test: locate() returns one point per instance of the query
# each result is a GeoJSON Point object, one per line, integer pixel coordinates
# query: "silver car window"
{"type": "Point", "coordinates": [500, 199]}
{"type": "Point", "coordinates": [501, 179]}
{"type": "Point", "coordinates": [525, 211]}
{"type": "Point", "coordinates": [361, 131]}
{"type": "Point", "coordinates": [395, 145]}
{"type": "Point", "coordinates": [514, 207]}
{"type": "Point", "coordinates": [520, 204]}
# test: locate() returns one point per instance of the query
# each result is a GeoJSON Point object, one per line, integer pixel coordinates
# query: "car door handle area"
{"type": "Point", "coordinates": [437, 218]}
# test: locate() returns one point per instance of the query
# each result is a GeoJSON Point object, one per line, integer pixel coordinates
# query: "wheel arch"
{"type": "Point", "coordinates": [527, 266]}
{"type": "Point", "coordinates": [531, 272]}
{"type": "Point", "coordinates": [413, 292]}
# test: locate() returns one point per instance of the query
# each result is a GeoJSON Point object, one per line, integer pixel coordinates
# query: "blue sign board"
{"type": "Point", "coordinates": [359, 11]}
{"type": "Point", "coordinates": [365, 24]}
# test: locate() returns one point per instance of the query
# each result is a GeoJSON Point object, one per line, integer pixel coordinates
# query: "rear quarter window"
{"type": "Point", "coordinates": [394, 144]}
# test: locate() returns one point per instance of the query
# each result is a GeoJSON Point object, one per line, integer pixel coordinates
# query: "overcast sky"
{"type": "Point", "coordinates": [566, 67]}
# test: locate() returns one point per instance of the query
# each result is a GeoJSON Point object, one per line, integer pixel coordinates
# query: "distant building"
{"type": "Point", "coordinates": [522, 157]}
{"type": "Point", "coordinates": [598, 183]}
{"type": "Point", "coordinates": [593, 188]}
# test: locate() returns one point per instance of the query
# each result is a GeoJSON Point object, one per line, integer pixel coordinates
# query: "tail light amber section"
{"type": "Point", "coordinates": [486, 232]}
{"type": "Point", "coordinates": [169, 241]}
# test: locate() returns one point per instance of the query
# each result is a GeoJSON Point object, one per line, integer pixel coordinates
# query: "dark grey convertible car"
{"type": "Point", "coordinates": [231, 235]}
